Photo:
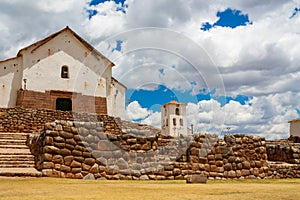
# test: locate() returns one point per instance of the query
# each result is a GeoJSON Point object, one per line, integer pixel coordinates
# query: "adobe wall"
{"type": "Point", "coordinates": [78, 150]}
{"type": "Point", "coordinates": [47, 100]}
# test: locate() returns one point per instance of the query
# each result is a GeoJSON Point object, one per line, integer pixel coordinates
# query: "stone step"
{"type": "Point", "coordinates": [15, 151]}
{"type": "Point", "coordinates": [16, 165]}
{"type": "Point", "coordinates": [26, 172]}
{"type": "Point", "coordinates": [12, 142]}
{"type": "Point", "coordinates": [18, 162]}
{"type": "Point", "coordinates": [16, 159]}
{"type": "Point", "coordinates": [22, 136]}
{"type": "Point", "coordinates": [15, 156]}
{"type": "Point", "coordinates": [13, 146]}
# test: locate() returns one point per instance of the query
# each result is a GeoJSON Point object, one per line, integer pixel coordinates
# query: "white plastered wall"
{"type": "Point", "coordinates": [46, 75]}
{"type": "Point", "coordinates": [116, 100]}
{"type": "Point", "coordinates": [10, 81]}
{"type": "Point", "coordinates": [89, 74]}
{"type": "Point", "coordinates": [167, 116]}
{"type": "Point", "coordinates": [295, 128]}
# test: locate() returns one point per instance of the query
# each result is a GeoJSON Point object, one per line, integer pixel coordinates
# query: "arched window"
{"type": "Point", "coordinates": [64, 72]}
{"type": "Point", "coordinates": [177, 111]}
{"type": "Point", "coordinates": [167, 123]}
{"type": "Point", "coordinates": [174, 121]}
{"type": "Point", "coordinates": [181, 122]}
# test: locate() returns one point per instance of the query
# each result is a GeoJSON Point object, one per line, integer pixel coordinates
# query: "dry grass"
{"type": "Point", "coordinates": [51, 188]}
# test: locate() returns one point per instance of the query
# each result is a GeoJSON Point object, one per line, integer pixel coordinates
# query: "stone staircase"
{"type": "Point", "coordinates": [15, 156]}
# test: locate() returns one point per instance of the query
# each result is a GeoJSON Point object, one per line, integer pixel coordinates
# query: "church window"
{"type": "Point", "coordinates": [181, 122]}
{"type": "Point", "coordinates": [177, 111]}
{"type": "Point", "coordinates": [64, 72]}
{"type": "Point", "coordinates": [174, 121]}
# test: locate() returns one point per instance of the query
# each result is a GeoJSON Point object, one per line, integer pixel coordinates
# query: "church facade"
{"type": "Point", "coordinates": [61, 72]}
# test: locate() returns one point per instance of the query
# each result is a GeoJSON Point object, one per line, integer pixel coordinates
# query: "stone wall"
{"type": "Point", "coordinates": [284, 151]}
{"type": "Point", "coordinates": [137, 152]}
{"type": "Point", "coordinates": [20, 119]}
{"type": "Point", "coordinates": [47, 99]}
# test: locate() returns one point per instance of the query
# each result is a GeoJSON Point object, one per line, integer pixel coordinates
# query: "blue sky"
{"type": "Point", "coordinates": [234, 63]}
{"type": "Point", "coordinates": [153, 99]}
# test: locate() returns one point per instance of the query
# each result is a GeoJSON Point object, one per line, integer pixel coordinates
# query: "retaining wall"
{"type": "Point", "coordinates": [80, 150]}
{"type": "Point", "coordinates": [19, 119]}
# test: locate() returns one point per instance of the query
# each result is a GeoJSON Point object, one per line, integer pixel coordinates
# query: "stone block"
{"type": "Point", "coordinates": [144, 177]}
{"type": "Point", "coordinates": [65, 168]}
{"type": "Point", "coordinates": [48, 165]}
{"type": "Point", "coordinates": [76, 170]}
{"type": "Point", "coordinates": [89, 161]}
{"type": "Point", "coordinates": [66, 135]}
{"type": "Point", "coordinates": [76, 153]}
{"type": "Point", "coordinates": [89, 177]}
{"type": "Point", "coordinates": [75, 164]}
{"type": "Point", "coordinates": [71, 141]}
{"type": "Point", "coordinates": [86, 154]}
{"type": "Point", "coordinates": [47, 157]}
{"type": "Point", "coordinates": [227, 167]}
{"type": "Point", "coordinates": [86, 167]}
{"type": "Point", "coordinates": [58, 159]}
{"type": "Point", "coordinates": [246, 165]}
{"type": "Point", "coordinates": [70, 147]}
{"type": "Point", "coordinates": [60, 145]}
{"type": "Point", "coordinates": [79, 159]}
{"type": "Point", "coordinates": [196, 178]}
{"type": "Point", "coordinates": [68, 160]}
{"type": "Point", "coordinates": [94, 169]}
{"type": "Point", "coordinates": [51, 150]}
{"type": "Point", "coordinates": [231, 174]}
{"type": "Point", "coordinates": [59, 139]}
{"type": "Point", "coordinates": [65, 152]}
{"type": "Point", "coordinates": [106, 145]}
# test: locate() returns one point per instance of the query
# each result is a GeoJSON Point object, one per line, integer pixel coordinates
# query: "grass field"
{"type": "Point", "coordinates": [52, 188]}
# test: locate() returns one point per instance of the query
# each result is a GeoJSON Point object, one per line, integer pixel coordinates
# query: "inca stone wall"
{"type": "Point", "coordinates": [284, 152]}
{"type": "Point", "coordinates": [136, 152]}
{"type": "Point", "coordinates": [19, 119]}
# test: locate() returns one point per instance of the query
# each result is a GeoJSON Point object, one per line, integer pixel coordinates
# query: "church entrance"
{"type": "Point", "coordinates": [64, 104]}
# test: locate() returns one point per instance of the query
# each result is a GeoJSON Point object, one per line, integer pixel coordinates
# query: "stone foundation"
{"type": "Point", "coordinates": [85, 150]}
{"type": "Point", "coordinates": [27, 120]}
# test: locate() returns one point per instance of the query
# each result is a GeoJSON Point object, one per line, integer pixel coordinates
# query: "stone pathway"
{"type": "Point", "coordinates": [15, 156]}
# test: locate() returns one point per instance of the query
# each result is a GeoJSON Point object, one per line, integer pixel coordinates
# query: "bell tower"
{"type": "Point", "coordinates": [173, 119]}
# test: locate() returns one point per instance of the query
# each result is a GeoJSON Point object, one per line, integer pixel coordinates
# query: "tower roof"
{"type": "Point", "coordinates": [173, 102]}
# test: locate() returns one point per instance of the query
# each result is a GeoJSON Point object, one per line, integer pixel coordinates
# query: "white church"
{"type": "Point", "coordinates": [61, 72]}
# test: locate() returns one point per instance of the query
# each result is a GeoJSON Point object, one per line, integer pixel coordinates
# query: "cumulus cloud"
{"type": "Point", "coordinates": [265, 116]}
{"type": "Point", "coordinates": [260, 59]}
{"type": "Point", "coordinates": [136, 112]}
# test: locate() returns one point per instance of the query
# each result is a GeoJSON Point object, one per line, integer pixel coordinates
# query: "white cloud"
{"type": "Point", "coordinates": [261, 60]}
{"type": "Point", "coordinates": [134, 111]}
{"type": "Point", "coordinates": [154, 119]}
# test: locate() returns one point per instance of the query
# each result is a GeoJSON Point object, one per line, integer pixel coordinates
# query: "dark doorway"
{"type": "Point", "coordinates": [64, 104]}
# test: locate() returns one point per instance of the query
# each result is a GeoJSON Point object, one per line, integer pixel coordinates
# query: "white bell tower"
{"type": "Point", "coordinates": [173, 119]}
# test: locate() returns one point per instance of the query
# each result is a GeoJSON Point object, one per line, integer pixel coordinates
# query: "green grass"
{"type": "Point", "coordinates": [52, 188]}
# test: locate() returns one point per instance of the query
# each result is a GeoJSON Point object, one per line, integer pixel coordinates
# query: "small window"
{"type": "Point", "coordinates": [181, 122]}
{"type": "Point", "coordinates": [177, 111]}
{"type": "Point", "coordinates": [167, 123]}
{"type": "Point", "coordinates": [174, 121]}
{"type": "Point", "coordinates": [64, 72]}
